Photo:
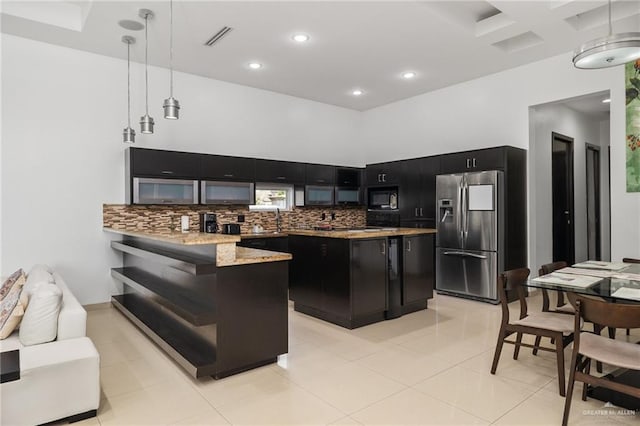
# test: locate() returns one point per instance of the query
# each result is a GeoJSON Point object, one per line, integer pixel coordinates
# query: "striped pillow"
{"type": "Point", "coordinates": [11, 310]}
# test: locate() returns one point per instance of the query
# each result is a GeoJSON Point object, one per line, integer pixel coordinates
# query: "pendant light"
{"type": "Point", "coordinates": [171, 105]}
{"type": "Point", "coordinates": [146, 122]}
{"type": "Point", "coordinates": [609, 51]}
{"type": "Point", "coordinates": [128, 134]}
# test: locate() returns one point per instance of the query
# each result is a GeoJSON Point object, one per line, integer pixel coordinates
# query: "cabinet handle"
{"type": "Point", "coordinates": [408, 245]}
{"type": "Point", "coordinates": [228, 175]}
{"type": "Point", "coordinates": [384, 248]}
{"type": "Point", "coordinates": [416, 214]}
{"type": "Point", "coordinates": [468, 163]}
{"type": "Point", "coordinates": [379, 177]}
{"type": "Point", "coordinates": [281, 177]}
{"type": "Point", "coordinates": [474, 162]}
{"type": "Point", "coordinates": [320, 180]}
{"type": "Point", "coordinates": [166, 172]}
{"type": "Point", "coordinates": [384, 177]}
{"type": "Point", "coordinates": [421, 214]}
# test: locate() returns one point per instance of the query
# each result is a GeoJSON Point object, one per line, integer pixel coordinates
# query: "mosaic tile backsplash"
{"type": "Point", "coordinates": [164, 218]}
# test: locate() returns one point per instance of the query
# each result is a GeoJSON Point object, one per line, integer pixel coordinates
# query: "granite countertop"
{"type": "Point", "coordinates": [362, 233]}
{"type": "Point", "coordinates": [263, 235]}
{"type": "Point", "coordinates": [184, 238]}
{"type": "Point", "coordinates": [245, 256]}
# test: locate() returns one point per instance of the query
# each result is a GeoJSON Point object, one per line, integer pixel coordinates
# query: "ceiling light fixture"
{"type": "Point", "coordinates": [255, 65]}
{"type": "Point", "coordinates": [606, 101]}
{"type": "Point", "coordinates": [300, 38]}
{"type": "Point", "coordinates": [171, 105]}
{"type": "Point", "coordinates": [408, 75]}
{"type": "Point", "coordinates": [128, 134]}
{"type": "Point", "coordinates": [146, 122]}
{"type": "Point", "coordinates": [609, 51]}
{"type": "Point", "coordinates": [357, 92]}
{"type": "Point", "coordinates": [130, 25]}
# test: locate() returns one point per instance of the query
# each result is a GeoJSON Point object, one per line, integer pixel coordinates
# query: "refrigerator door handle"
{"type": "Point", "coordinates": [464, 254]}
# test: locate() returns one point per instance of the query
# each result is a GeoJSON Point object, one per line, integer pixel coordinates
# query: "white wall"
{"type": "Point", "coordinates": [546, 119]}
{"type": "Point", "coordinates": [494, 110]}
{"type": "Point", "coordinates": [62, 150]}
{"type": "Point", "coordinates": [605, 189]}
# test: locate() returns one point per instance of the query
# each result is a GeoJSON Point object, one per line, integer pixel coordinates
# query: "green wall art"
{"type": "Point", "coordinates": [632, 86]}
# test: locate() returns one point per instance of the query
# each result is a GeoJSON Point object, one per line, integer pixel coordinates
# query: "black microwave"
{"type": "Point", "coordinates": [383, 198]}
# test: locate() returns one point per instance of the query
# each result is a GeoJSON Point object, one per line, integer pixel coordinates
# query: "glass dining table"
{"type": "Point", "coordinates": [615, 282]}
{"type": "Point", "coordinates": [621, 284]}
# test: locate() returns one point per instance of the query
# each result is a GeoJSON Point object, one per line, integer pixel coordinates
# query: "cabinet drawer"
{"type": "Point", "coordinates": [222, 167]}
{"type": "Point", "coordinates": [320, 174]}
{"type": "Point", "coordinates": [270, 171]}
{"type": "Point", "coordinates": [164, 164]}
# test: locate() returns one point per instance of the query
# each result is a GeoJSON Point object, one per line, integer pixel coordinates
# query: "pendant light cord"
{"type": "Point", "coordinates": [610, 26]}
{"type": "Point", "coordinates": [128, 84]}
{"type": "Point", "coordinates": [171, 49]}
{"type": "Point", "coordinates": [146, 62]}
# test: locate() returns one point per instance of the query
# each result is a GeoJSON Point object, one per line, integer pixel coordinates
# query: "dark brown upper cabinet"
{"type": "Point", "coordinates": [348, 176]}
{"type": "Point", "coordinates": [383, 174]}
{"type": "Point", "coordinates": [470, 161]}
{"type": "Point", "coordinates": [223, 167]}
{"type": "Point", "coordinates": [274, 171]}
{"type": "Point", "coordinates": [162, 164]}
{"type": "Point", "coordinates": [320, 174]}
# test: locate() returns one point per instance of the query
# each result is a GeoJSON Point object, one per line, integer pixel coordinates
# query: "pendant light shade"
{"type": "Point", "coordinates": [146, 121]}
{"type": "Point", "coordinates": [128, 134]}
{"type": "Point", "coordinates": [171, 105]}
{"type": "Point", "coordinates": [609, 51]}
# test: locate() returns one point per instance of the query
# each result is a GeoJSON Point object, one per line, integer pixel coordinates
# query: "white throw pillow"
{"type": "Point", "coordinates": [40, 321]}
{"type": "Point", "coordinates": [38, 274]}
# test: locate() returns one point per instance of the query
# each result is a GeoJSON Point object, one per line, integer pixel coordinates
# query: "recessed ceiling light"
{"type": "Point", "coordinates": [357, 92]}
{"type": "Point", "coordinates": [408, 75]}
{"type": "Point", "coordinates": [300, 38]}
{"type": "Point", "coordinates": [255, 65]}
{"type": "Point", "coordinates": [606, 101]}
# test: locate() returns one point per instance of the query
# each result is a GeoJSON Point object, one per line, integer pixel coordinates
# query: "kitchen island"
{"type": "Point", "coordinates": [355, 277]}
{"type": "Point", "coordinates": [215, 308]}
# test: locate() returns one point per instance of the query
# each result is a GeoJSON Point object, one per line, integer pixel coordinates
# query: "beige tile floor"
{"type": "Point", "coordinates": [429, 367]}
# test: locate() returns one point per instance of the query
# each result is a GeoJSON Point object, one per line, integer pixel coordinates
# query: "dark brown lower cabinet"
{"type": "Point", "coordinates": [346, 281]}
{"type": "Point", "coordinates": [418, 268]}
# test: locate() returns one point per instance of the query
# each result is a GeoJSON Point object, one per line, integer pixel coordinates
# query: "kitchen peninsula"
{"type": "Point", "coordinates": [355, 277]}
{"type": "Point", "coordinates": [215, 308]}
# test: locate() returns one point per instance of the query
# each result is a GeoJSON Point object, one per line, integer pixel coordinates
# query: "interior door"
{"type": "Point", "coordinates": [593, 202]}
{"type": "Point", "coordinates": [562, 185]}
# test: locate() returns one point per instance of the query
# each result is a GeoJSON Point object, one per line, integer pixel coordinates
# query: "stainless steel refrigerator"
{"type": "Point", "coordinates": [470, 238]}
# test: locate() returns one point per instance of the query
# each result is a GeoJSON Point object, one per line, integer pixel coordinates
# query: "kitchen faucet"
{"type": "Point", "coordinates": [278, 224]}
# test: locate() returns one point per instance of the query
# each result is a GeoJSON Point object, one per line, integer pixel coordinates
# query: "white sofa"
{"type": "Point", "coordinates": [59, 380]}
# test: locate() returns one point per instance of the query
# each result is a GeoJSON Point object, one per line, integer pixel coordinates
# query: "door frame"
{"type": "Point", "coordinates": [570, 190]}
{"type": "Point", "coordinates": [598, 196]}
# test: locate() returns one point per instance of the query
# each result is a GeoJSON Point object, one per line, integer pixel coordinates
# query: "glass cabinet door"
{"type": "Point", "coordinates": [165, 191]}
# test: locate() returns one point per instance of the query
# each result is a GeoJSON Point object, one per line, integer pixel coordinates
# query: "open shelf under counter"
{"type": "Point", "coordinates": [187, 262]}
{"type": "Point", "coordinates": [180, 300]}
{"type": "Point", "coordinates": [194, 353]}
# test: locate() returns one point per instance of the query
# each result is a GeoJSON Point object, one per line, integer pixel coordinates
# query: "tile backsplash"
{"type": "Point", "coordinates": [164, 218]}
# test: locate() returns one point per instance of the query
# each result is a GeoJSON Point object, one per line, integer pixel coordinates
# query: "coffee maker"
{"type": "Point", "coordinates": [208, 223]}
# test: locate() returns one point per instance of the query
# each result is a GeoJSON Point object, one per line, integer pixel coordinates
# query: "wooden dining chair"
{"type": "Point", "coordinates": [561, 306]}
{"type": "Point", "coordinates": [543, 324]}
{"type": "Point", "coordinates": [588, 346]}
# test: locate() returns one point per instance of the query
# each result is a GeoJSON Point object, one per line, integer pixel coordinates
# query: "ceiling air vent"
{"type": "Point", "coordinates": [218, 36]}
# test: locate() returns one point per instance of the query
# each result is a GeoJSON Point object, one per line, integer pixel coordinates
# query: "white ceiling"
{"type": "Point", "coordinates": [354, 44]}
{"type": "Point", "coordinates": [590, 105]}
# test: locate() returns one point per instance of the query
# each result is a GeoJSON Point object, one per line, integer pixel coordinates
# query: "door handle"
{"type": "Point", "coordinates": [464, 254]}
{"type": "Point", "coordinates": [408, 245]}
